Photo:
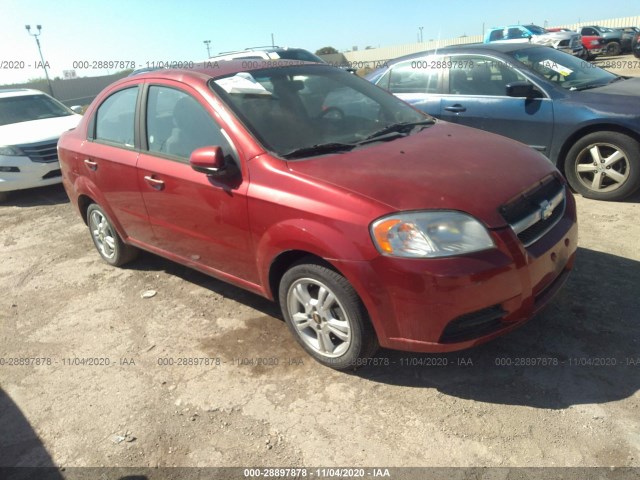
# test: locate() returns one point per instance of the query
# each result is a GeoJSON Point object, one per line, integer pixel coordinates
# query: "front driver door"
{"type": "Point", "coordinates": [477, 98]}
{"type": "Point", "coordinates": [201, 219]}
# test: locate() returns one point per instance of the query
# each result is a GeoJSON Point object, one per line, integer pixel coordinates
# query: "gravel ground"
{"type": "Point", "coordinates": [188, 377]}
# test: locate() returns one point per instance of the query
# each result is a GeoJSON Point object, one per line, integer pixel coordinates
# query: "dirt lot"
{"type": "Point", "coordinates": [487, 407]}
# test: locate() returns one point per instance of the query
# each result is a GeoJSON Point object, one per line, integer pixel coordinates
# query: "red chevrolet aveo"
{"type": "Point", "coordinates": [368, 221]}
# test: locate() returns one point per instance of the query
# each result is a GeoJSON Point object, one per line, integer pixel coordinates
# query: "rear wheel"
{"type": "Point", "coordinates": [604, 166]}
{"type": "Point", "coordinates": [326, 316]}
{"type": "Point", "coordinates": [106, 239]}
{"type": "Point", "coordinates": [3, 196]}
{"type": "Point", "coordinates": [613, 48]}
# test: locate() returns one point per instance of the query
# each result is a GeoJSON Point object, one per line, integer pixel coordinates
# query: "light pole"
{"type": "Point", "coordinates": [421, 38]}
{"type": "Point", "coordinates": [44, 65]}
{"type": "Point", "coordinates": [207, 43]}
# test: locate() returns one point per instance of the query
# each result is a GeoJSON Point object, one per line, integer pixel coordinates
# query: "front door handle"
{"type": "Point", "coordinates": [91, 165]}
{"type": "Point", "coordinates": [457, 108]}
{"type": "Point", "coordinates": [154, 182]}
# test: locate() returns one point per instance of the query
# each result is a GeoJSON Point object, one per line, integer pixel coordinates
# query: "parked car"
{"type": "Point", "coordinates": [269, 56]}
{"type": "Point", "coordinates": [636, 47]}
{"type": "Point", "coordinates": [612, 37]}
{"type": "Point", "coordinates": [568, 42]}
{"type": "Point", "coordinates": [585, 119]}
{"type": "Point", "coordinates": [30, 124]}
{"type": "Point", "coordinates": [270, 53]}
{"type": "Point", "coordinates": [592, 45]}
{"type": "Point", "coordinates": [629, 35]}
{"type": "Point", "coordinates": [389, 228]}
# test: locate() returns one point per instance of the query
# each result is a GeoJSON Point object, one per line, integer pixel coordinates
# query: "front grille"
{"type": "Point", "coordinates": [52, 174]}
{"type": "Point", "coordinates": [473, 325]}
{"type": "Point", "coordinates": [536, 211]}
{"type": "Point", "coordinates": [44, 152]}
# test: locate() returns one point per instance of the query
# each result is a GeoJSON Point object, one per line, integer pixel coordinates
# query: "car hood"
{"type": "Point", "coordinates": [551, 38]}
{"type": "Point", "coordinates": [37, 130]}
{"type": "Point", "coordinates": [630, 87]}
{"type": "Point", "coordinates": [445, 166]}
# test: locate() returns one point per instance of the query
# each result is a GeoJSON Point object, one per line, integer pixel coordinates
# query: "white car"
{"type": "Point", "coordinates": [30, 124]}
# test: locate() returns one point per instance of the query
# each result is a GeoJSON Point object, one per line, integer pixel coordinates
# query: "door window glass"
{"type": "Point", "coordinates": [177, 124]}
{"type": "Point", "coordinates": [415, 76]}
{"type": "Point", "coordinates": [115, 118]}
{"type": "Point", "coordinates": [474, 75]}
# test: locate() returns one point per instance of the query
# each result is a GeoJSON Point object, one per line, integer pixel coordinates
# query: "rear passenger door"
{"type": "Point", "coordinates": [109, 161]}
{"type": "Point", "coordinates": [477, 98]}
{"type": "Point", "coordinates": [418, 82]}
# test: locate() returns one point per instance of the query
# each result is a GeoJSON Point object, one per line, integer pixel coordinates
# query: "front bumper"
{"type": "Point", "coordinates": [29, 174]}
{"type": "Point", "coordinates": [448, 304]}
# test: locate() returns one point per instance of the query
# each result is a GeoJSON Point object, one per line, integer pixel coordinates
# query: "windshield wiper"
{"type": "Point", "coordinates": [318, 149]}
{"type": "Point", "coordinates": [596, 85]}
{"type": "Point", "coordinates": [403, 128]}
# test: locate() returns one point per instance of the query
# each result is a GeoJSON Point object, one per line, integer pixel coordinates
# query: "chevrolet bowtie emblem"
{"type": "Point", "coordinates": [546, 210]}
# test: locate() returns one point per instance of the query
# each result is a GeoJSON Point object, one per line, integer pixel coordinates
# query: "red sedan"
{"type": "Point", "coordinates": [369, 222]}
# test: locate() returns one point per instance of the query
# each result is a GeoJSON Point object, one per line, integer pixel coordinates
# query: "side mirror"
{"type": "Point", "coordinates": [208, 160]}
{"type": "Point", "coordinates": [520, 89]}
{"type": "Point", "coordinates": [76, 109]}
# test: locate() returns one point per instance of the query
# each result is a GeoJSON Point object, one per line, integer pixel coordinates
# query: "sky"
{"type": "Point", "coordinates": [141, 31]}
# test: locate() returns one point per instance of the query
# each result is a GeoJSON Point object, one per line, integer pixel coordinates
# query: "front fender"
{"type": "Point", "coordinates": [326, 241]}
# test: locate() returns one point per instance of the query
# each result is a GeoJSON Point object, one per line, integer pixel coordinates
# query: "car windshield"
{"type": "Point", "coordinates": [306, 110]}
{"type": "Point", "coordinates": [25, 108]}
{"type": "Point", "coordinates": [536, 30]}
{"type": "Point", "coordinates": [566, 71]}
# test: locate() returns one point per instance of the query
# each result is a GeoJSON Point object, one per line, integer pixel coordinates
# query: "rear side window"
{"type": "Point", "coordinates": [115, 118]}
{"type": "Point", "coordinates": [177, 124]}
{"type": "Point", "coordinates": [415, 76]}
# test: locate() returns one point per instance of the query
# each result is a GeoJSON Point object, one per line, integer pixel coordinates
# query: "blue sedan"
{"type": "Point", "coordinates": [584, 119]}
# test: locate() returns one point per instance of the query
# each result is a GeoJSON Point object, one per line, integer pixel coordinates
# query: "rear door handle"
{"type": "Point", "coordinates": [154, 182]}
{"type": "Point", "coordinates": [457, 108]}
{"type": "Point", "coordinates": [91, 165]}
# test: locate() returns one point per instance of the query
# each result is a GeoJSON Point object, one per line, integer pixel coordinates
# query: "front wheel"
{"type": "Point", "coordinates": [106, 239]}
{"type": "Point", "coordinates": [604, 166]}
{"type": "Point", "coordinates": [326, 316]}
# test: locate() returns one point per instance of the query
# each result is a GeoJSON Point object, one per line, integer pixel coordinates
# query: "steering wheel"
{"type": "Point", "coordinates": [332, 113]}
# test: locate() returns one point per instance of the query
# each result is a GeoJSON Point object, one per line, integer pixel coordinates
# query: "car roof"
{"type": "Point", "coordinates": [19, 92]}
{"type": "Point", "coordinates": [217, 69]}
{"type": "Point", "coordinates": [468, 48]}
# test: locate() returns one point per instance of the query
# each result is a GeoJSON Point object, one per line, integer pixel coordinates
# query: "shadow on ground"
{"type": "Point", "coordinates": [20, 446]}
{"type": "Point", "coordinates": [32, 197]}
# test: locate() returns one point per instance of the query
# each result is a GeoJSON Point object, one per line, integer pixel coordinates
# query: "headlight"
{"type": "Point", "coordinates": [10, 151]}
{"type": "Point", "coordinates": [430, 234]}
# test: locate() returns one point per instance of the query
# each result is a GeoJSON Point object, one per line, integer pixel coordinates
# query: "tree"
{"type": "Point", "coordinates": [326, 51]}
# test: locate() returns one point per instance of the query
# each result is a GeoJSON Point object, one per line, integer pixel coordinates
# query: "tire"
{"type": "Point", "coordinates": [604, 166]}
{"type": "Point", "coordinates": [326, 316]}
{"type": "Point", "coordinates": [4, 196]}
{"type": "Point", "coordinates": [613, 48]}
{"type": "Point", "coordinates": [106, 239]}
